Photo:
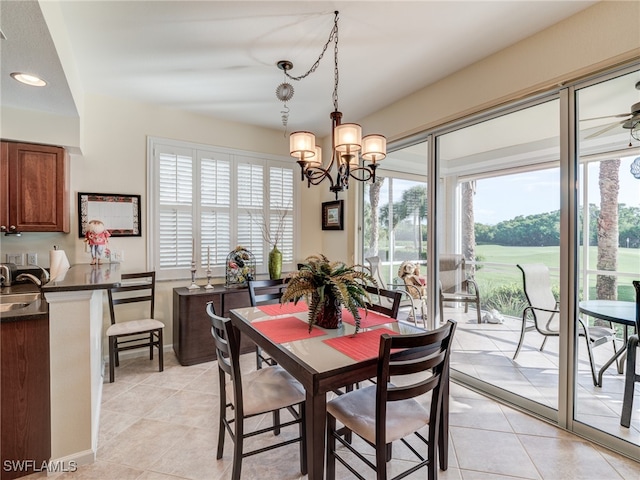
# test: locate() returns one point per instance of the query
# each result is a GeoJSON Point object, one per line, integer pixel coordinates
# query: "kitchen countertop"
{"type": "Point", "coordinates": [85, 277]}
{"type": "Point", "coordinates": [78, 277]}
{"type": "Point", "coordinates": [34, 311]}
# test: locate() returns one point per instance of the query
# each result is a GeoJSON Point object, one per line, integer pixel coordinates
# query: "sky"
{"type": "Point", "coordinates": [503, 198]}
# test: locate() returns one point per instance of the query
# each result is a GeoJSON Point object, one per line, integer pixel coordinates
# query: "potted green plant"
{"type": "Point", "coordinates": [327, 287]}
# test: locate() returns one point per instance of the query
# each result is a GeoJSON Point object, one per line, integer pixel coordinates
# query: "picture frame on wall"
{"type": "Point", "coordinates": [333, 215]}
{"type": "Point", "coordinates": [121, 214]}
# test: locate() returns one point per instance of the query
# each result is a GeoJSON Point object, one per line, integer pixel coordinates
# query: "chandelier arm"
{"type": "Point", "coordinates": [316, 175]}
{"type": "Point", "coordinates": [333, 36]}
{"type": "Point", "coordinates": [367, 174]}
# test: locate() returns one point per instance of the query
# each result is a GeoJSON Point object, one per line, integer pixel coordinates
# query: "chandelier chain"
{"type": "Point", "coordinates": [333, 37]}
{"type": "Point", "coordinates": [335, 67]}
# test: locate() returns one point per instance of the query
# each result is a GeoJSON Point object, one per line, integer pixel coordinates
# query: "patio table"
{"type": "Point", "coordinates": [321, 364]}
{"type": "Point", "coordinates": [615, 311]}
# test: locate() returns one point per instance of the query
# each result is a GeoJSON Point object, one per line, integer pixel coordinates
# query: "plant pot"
{"type": "Point", "coordinates": [275, 263]}
{"type": "Point", "coordinates": [331, 314]}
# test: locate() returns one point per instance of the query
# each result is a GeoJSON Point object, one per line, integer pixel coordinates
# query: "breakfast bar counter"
{"type": "Point", "coordinates": [75, 301]}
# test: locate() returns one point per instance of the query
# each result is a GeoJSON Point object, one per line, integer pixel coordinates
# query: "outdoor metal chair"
{"type": "Point", "coordinates": [415, 286]}
{"type": "Point", "coordinates": [545, 317]}
{"type": "Point", "coordinates": [455, 285]}
{"type": "Point", "coordinates": [399, 285]}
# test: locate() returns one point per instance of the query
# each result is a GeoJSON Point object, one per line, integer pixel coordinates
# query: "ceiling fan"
{"type": "Point", "coordinates": [629, 121]}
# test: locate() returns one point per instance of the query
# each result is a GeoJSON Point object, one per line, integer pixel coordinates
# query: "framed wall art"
{"type": "Point", "coordinates": [332, 215]}
{"type": "Point", "coordinates": [119, 213]}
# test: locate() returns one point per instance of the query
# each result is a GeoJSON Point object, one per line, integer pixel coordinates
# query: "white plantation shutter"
{"type": "Point", "coordinates": [215, 209]}
{"type": "Point", "coordinates": [250, 185]}
{"type": "Point", "coordinates": [175, 209]}
{"type": "Point", "coordinates": [281, 201]}
{"type": "Point", "coordinates": [215, 198]}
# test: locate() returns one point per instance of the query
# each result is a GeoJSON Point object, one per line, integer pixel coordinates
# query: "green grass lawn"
{"type": "Point", "coordinates": [490, 277]}
{"type": "Point", "coordinates": [628, 262]}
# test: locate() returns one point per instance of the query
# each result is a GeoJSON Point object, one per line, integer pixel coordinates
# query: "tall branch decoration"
{"type": "Point", "coordinates": [272, 233]}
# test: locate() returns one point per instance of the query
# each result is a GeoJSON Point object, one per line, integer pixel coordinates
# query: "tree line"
{"type": "Point", "coordinates": [543, 229]}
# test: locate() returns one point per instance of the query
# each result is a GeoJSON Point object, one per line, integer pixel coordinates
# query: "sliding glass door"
{"type": "Point", "coordinates": [536, 199]}
{"type": "Point", "coordinates": [608, 245]}
{"type": "Point", "coordinates": [500, 209]}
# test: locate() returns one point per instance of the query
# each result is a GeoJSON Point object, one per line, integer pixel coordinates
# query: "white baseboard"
{"type": "Point", "coordinates": [70, 463]}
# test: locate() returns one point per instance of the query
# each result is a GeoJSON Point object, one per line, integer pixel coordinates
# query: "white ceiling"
{"type": "Point", "coordinates": [218, 58]}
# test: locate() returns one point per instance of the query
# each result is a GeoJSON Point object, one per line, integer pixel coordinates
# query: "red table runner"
{"type": "Point", "coordinates": [360, 346]}
{"type": "Point", "coordinates": [283, 308]}
{"type": "Point", "coordinates": [367, 318]}
{"type": "Point", "coordinates": [287, 329]}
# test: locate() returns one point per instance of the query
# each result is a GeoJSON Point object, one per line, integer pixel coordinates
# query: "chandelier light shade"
{"type": "Point", "coordinates": [374, 148]}
{"type": "Point", "coordinates": [302, 145]}
{"type": "Point", "coordinates": [352, 155]}
{"type": "Point", "coordinates": [348, 138]}
{"type": "Point", "coordinates": [316, 160]}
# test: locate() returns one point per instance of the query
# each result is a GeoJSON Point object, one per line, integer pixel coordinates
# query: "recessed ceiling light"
{"type": "Point", "coordinates": [28, 79]}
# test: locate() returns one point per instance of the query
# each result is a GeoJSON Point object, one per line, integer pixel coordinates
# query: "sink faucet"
{"type": "Point", "coordinates": [44, 277]}
{"type": "Point", "coordinates": [5, 274]}
{"type": "Point", "coordinates": [29, 276]}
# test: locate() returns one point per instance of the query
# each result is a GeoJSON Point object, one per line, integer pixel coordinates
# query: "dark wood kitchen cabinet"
{"type": "Point", "coordinates": [35, 188]}
{"type": "Point", "coordinates": [192, 340]}
{"type": "Point", "coordinates": [25, 411]}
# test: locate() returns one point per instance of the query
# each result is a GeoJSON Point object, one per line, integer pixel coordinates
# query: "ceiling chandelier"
{"type": "Point", "coordinates": [350, 150]}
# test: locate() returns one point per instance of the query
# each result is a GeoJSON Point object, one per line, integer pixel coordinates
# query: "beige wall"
{"type": "Point", "coordinates": [114, 131]}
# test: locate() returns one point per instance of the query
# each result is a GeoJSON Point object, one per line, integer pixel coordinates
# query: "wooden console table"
{"type": "Point", "coordinates": [192, 340]}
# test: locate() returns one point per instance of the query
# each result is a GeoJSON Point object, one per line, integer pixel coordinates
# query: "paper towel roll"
{"type": "Point", "coordinates": [58, 263]}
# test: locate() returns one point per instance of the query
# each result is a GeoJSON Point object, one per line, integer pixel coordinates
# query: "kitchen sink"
{"type": "Point", "coordinates": [15, 301]}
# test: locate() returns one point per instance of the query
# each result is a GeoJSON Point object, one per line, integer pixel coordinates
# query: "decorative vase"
{"type": "Point", "coordinates": [331, 314]}
{"type": "Point", "coordinates": [275, 263]}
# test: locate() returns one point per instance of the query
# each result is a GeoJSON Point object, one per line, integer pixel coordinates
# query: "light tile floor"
{"type": "Point", "coordinates": [163, 426]}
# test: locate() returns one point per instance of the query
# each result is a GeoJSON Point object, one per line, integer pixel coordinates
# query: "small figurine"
{"type": "Point", "coordinates": [97, 237]}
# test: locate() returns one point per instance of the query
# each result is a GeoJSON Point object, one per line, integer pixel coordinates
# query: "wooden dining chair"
{"type": "Point", "coordinates": [246, 395]}
{"type": "Point", "coordinates": [134, 333]}
{"type": "Point", "coordinates": [631, 377]}
{"type": "Point", "coordinates": [384, 301]}
{"type": "Point", "coordinates": [265, 292]}
{"type": "Point", "coordinates": [385, 412]}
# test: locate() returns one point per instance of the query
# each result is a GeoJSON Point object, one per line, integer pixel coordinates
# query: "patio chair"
{"type": "Point", "coordinates": [631, 377]}
{"type": "Point", "coordinates": [415, 286]}
{"type": "Point", "coordinates": [399, 285]}
{"type": "Point", "coordinates": [455, 286]}
{"type": "Point", "coordinates": [544, 313]}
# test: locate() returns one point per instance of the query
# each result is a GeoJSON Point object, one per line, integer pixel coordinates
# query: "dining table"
{"type": "Point", "coordinates": [615, 311]}
{"type": "Point", "coordinates": [325, 360]}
